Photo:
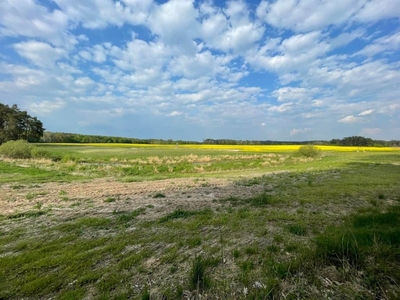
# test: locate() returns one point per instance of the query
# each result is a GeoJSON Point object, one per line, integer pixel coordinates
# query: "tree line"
{"type": "Point", "coordinates": [16, 124]}
{"type": "Point", "coordinates": [63, 137]}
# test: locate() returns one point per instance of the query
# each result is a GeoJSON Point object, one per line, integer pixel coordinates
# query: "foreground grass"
{"type": "Point", "coordinates": [313, 233]}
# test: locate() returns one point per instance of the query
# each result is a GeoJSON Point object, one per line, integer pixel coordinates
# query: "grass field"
{"type": "Point", "coordinates": [191, 222]}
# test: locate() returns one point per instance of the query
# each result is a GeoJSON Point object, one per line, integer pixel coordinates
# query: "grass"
{"type": "Point", "coordinates": [323, 228]}
{"type": "Point", "coordinates": [132, 163]}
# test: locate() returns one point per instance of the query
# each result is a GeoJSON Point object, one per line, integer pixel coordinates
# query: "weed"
{"type": "Point", "coordinates": [159, 195]}
{"type": "Point", "coordinates": [38, 205]}
{"type": "Point", "coordinates": [33, 195]}
{"type": "Point", "coordinates": [198, 279]}
{"type": "Point", "coordinates": [182, 214]}
{"type": "Point", "coordinates": [381, 196]}
{"type": "Point", "coordinates": [297, 229]}
{"type": "Point", "coordinates": [28, 214]}
{"type": "Point", "coordinates": [17, 186]}
{"type": "Point", "coordinates": [109, 199]}
{"type": "Point", "coordinates": [279, 238]}
{"type": "Point", "coordinates": [236, 253]}
{"type": "Point", "coordinates": [259, 200]}
{"type": "Point", "coordinates": [145, 294]}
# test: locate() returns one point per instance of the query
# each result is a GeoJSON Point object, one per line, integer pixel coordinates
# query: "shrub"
{"type": "Point", "coordinates": [22, 149]}
{"type": "Point", "coordinates": [39, 152]}
{"type": "Point", "coordinates": [16, 149]}
{"type": "Point", "coordinates": [309, 151]}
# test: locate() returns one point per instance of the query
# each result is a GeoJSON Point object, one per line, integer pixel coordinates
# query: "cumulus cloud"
{"type": "Point", "coordinates": [307, 15]}
{"type": "Point", "coordinates": [40, 54]}
{"type": "Point", "coordinates": [384, 45]}
{"type": "Point", "coordinates": [175, 23]}
{"type": "Point", "coordinates": [296, 131]}
{"type": "Point", "coordinates": [294, 94]}
{"type": "Point", "coordinates": [46, 107]}
{"type": "Point", "coordinates": [375, 10]}
{"type": "Point", "coordinates": [366, 112]}
{"type": "Point", "coordinates": [350, 119]}
{"type": "Point", "coordinates": [175, 113]}
{"type": "Point", "coordinates": [98, 14]}
{"type": "Point", "coordinates": [29, 19]}
{"type": "Point", "coordinates": [230, 29]}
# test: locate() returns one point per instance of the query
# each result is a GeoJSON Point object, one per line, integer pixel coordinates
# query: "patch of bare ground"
{"type": "Point", "coordinates": [107, 195]}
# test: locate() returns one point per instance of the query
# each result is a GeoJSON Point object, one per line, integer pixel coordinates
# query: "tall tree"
{"type": "Point", "coordinates": [16, 124]}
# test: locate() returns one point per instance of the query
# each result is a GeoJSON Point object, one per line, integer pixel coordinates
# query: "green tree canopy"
{"type": "Point", "coordinates": [16, 124]}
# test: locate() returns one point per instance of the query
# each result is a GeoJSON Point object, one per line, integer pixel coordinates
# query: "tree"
{"type": "Point", "coordinates": [16, 124]}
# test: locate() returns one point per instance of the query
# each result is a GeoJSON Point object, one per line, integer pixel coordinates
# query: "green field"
{"type": "Point", "coordinates": [124, 222]}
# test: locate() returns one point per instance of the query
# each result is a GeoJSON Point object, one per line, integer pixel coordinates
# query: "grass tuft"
{"type": "Point", "coordinates": [198, 279]}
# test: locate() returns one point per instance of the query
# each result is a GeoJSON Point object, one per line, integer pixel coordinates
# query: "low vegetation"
{"type": "Point", "coordinates": [21, 149]}
{"type": "Point", "coordinates": [294, 226]}
{"type": "Point", "coordinates": [309, 151]}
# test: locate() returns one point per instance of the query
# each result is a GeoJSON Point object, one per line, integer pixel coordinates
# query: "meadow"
{"type": "Point", "coordinates": [124, 221]}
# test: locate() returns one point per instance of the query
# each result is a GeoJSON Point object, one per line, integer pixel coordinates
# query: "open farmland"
{"type": "Point", "coordinates": [126, 221]}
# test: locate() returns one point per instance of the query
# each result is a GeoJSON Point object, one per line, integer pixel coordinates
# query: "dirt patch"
{"type": "Point", "coordinates": [106, 195]}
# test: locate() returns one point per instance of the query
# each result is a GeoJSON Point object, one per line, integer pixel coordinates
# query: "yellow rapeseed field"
{"type": "Point", "coordinates": [246, 148]}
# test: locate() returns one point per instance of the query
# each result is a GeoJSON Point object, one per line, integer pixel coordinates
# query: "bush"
{"type": "Point", "coordinates": [16, 149]}
{"type": "Point", "coordinates": [22, 149]}
{"type": "Point", "coordinates": [39, 152]}
{"type": "Point", "coordinates": [309, 151]}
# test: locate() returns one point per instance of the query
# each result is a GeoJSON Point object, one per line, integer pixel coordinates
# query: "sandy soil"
{"type": "Point", "coordinates": [94, 196]}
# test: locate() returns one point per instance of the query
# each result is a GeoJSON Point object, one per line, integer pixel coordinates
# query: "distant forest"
{"type": "Point", "coordinates": [62, 137]}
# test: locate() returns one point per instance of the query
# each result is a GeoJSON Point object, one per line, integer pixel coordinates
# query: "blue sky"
{"type": "Point", "coordinates": [182, 69]}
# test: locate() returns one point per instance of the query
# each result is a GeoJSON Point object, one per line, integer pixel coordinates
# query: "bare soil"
{"type": "Point", "coordinates": [107, 195]}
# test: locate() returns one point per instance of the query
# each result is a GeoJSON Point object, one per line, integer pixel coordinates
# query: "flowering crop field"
{"type": "Point", "coordinates": [246, 148]}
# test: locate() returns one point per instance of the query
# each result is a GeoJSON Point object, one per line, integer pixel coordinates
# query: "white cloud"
{"type": "Point", "coordinates": [139, 54]}
{"type": "Point", "coordinates": [296, 131]}
{"type": "Point", "coordinates": [175, 113]}
{"type": "Point", "coordinates": [46, 107]}
{"type": "Point", "coordinates": [366, 112]}
{"type": "Point", "coordinates": [350, 119]}
{"type": "Point", "coordinates": [375, 10]}
{"type": "Point", "coordinates": [307, 15]}
{"type": "Point", "coordinates": [294, 94]}
{"type": "Point", "coordinates": [29, 19]}
{"type": "Point", "coordinates": [202, 64]}
{"type": "Point", "coordinates": [384, 45]}
{"type": "Point", "coordinates": [175, 22]}
{"type": "Point", "coordinates": [296, 53]}
{"type": "Point", "coordinates": [98, 14]}
{"type": "Point", "coordinates": [231, 29]}
{"type": "Point", "coordinates": [84, 82]}
{"type": "Point", "coordinates": [40, 54]}
{"type": "Point", "coordinates": [281, 108]}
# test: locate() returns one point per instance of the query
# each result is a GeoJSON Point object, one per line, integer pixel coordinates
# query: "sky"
{"type": "Point", "coordinates": [182, 69]}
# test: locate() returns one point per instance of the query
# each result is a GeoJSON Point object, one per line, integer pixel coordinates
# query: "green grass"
{"type": "Point", "coordinates": [326, 228]}
{"type": "Point", "coordinates": [12, 173]}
